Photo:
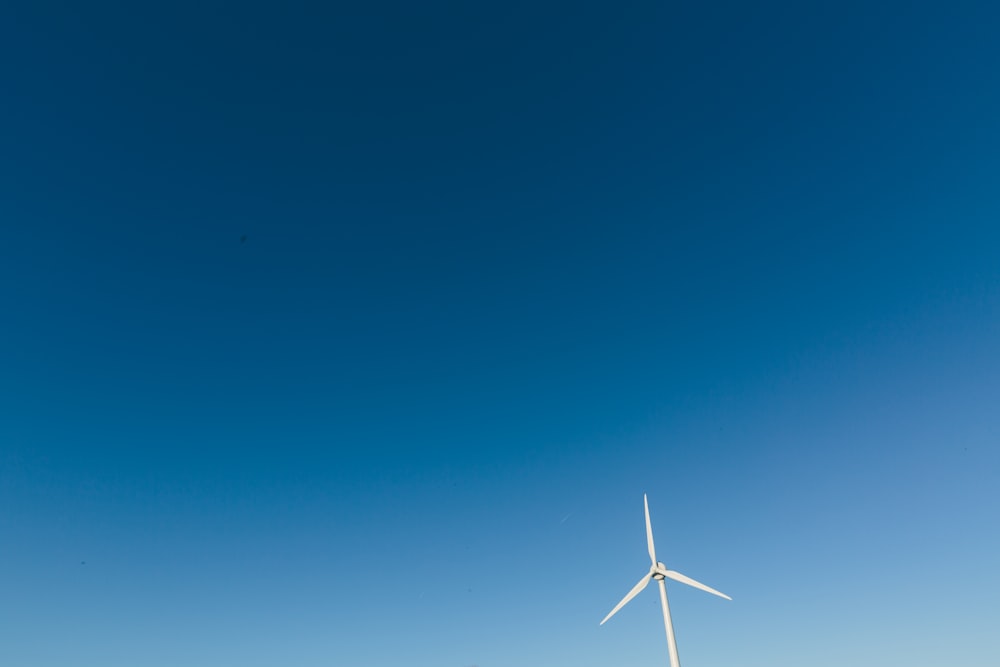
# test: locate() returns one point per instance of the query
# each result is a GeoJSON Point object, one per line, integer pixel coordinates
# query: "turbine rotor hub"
{"type": "Point", "coordinates": [659, 571]}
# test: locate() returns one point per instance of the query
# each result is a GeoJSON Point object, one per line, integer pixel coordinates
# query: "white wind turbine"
{"type": "Point", "coordinates": [659, 571]}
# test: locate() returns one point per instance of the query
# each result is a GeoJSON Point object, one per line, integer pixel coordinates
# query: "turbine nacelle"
{"type": "Point", "coordinates": [659, 571]}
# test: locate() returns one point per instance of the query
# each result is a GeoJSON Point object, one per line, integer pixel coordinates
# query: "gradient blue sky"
{"type": "Point", "coordinates": [353, 334]}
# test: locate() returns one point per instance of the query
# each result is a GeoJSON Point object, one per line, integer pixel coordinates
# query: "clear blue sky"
{"type": "Point", "coordinates": [352, 335]}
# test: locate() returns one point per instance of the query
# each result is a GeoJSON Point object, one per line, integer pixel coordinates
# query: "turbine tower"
{"type": "Point", "coordinates": [660, 572]}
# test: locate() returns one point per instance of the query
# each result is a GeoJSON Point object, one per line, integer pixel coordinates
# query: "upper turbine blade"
{"type": "Point", "coordinates": [649, 532]}
{"type": "Point", "coordinates": [631, 594]}
{"type": "Point", "coordinates": [677, 576]}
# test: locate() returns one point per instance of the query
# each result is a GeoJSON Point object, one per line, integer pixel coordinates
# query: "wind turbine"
{"type": "Point", "coordinates": [660, 572]}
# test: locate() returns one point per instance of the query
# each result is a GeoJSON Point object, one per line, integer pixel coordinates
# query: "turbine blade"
{"type": "Point", "coordinates": [649, 532]}
{"type": "Point", "coordinates": [631, 594]}
{"type": "Point", "coordinates": [677, 576]}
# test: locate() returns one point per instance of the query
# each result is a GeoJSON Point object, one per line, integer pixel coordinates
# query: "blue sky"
{"type": "Point", "coordinates": [353, 334]}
